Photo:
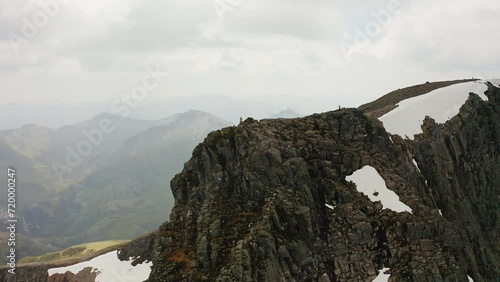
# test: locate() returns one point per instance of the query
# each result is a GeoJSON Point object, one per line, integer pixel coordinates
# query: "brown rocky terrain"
{"type": "Point", "coordinates": [39, 274]}
{"type": "Point", "coordinates": [85, 275]}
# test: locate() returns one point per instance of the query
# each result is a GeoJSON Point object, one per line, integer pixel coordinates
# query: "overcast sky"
{"type": "Point", "coordinates": [96, 50]}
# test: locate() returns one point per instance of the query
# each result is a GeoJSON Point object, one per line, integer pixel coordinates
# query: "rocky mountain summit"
{"type": "Point", "coordinates": [270, 200]}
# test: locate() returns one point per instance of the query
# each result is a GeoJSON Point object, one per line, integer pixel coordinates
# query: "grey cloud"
{"type": "Point", "coordinates": [302, 20]}
{"type": "Point", "coordinates": [277, 46]}
{"type": "Point", "coordinates": [153, 26]}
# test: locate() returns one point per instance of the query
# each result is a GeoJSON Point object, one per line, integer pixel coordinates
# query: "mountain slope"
{"type": "Point", "coordinates": [252, 203]}
{"type": "Point", "coordinates": [441, 104]}
{"type": "Point", "coordinates": [49, 149]}
{"type": "Point", "coordinates": [127, 172]}
{"type": "Point", "coordinates": [106, 203]}
{"type": "Point", "coordinates": [281, 200]}
{"type": "Point", "coordinates": [389, 101]}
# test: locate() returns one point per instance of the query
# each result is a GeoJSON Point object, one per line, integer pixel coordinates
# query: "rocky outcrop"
{"type": "Point", "coordinates": [269, 201]}
{"type": "Point", "coordinates": [39, 273]}
{"type": "Point", "coordinates": [85, 275]}
{"type": "Point", "coordinates": [139, 250]}
{"type": "Point", "coordinates": [251, 203]}
{"type": "Point", "coordinates": [25, 274]}
{"type": "Point", "coordinates": [461, 162]}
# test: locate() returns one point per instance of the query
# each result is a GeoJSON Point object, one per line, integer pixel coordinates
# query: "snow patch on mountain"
{"type": "Point", "coordinates": [495, 82]}
{"type": "Point", "coordinates": [441, 105]}
{"type": "Point", "coordinates": [109, 268]}
{"type": "Point", "coordinates": [369, 182]}
{"type": "Point", "coordinates": [382, 277]}
{"type": "Point", "coordinates": [416, 165]}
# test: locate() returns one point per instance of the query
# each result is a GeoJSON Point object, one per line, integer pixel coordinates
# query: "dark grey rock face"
{"type": "Point", "coordinates": [461, 163]}
{"type": "Point", "coordinates": [25, 274]}
{"type": "Point", "coordinates": [250, 204]}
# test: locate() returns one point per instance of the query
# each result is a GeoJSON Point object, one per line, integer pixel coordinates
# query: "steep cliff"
{"type": "Point", "coordinates": [269, 201]}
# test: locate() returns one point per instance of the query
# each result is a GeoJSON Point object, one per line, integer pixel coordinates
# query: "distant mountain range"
{"type": "Point", "coordinates": [287, 113]}
{"type": "Point", "coordinates": [85, 182]}
{"type": "Point", "coordinates": [53, 114]}
{"type": "Point", "coordinates": [117, 190]}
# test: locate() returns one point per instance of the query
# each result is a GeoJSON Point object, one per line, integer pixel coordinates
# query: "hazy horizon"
{"type": "Point", "coordinates": [48, 115]}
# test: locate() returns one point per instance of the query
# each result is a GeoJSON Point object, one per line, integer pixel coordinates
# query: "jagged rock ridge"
{"type": "Point", "coordinates": [250, 204]}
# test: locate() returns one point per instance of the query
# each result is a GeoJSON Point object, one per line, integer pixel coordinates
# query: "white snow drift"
{"type": "Point", "coordinates": [416, 165]}
{"type": "Point", "coordinates": [381, 277]}
{"type": "Point", "coordinates": [110, 269]}
{"type": "Point", "coordinates": [440, 104]}
{"type": "Point", "coordinates": [369, 182]}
